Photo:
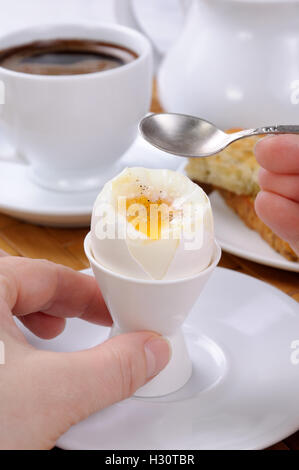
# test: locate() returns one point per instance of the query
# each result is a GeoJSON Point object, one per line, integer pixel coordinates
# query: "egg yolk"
{"type": "Point", "coordinates": [149, 217]}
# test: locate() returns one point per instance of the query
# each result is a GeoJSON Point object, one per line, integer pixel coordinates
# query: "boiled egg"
{"type": "Point", "coordinates": [152, 224]}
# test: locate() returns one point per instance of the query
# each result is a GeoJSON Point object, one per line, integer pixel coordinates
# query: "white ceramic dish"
{"type": "Point", "coordinates": [234, 237]}
{"type": "Point", "coordinates": [24, 199]}
{"type": "Point", "coordinates": [245, 49]}
{"type": "Point", "coordinates": [244, 390]}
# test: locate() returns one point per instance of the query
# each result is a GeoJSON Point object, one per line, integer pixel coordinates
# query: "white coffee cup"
{"type": "Point", "coordinates": [72, 130]}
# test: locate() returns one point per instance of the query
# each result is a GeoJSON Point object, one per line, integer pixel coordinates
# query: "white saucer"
{"type": "Point", "coordinates": [235, 237]}
{"type": "Point", "coordinates": [24, 199]}
{"type": "Point", "coordinates": [244, 390]}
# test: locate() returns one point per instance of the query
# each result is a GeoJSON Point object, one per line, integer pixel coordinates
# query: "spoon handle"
{"type": "Point", "coordinates": [266, 130]}
{"type": "Point", "coordinates": [277, 130]}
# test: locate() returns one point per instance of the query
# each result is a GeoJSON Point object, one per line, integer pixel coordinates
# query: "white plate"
{"type": "Point", "coordinates": [236, 238]}
{"type": "Point", "coordinates": [22, 198]}
{"type": "Point", "coordinates": [244, 390]}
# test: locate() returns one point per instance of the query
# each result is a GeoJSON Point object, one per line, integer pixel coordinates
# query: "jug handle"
{"type": "Point", "coordinates": [125, 14]}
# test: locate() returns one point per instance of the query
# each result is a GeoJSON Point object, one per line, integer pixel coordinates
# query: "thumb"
{"type": "Point", "coordinates": [96, 378]}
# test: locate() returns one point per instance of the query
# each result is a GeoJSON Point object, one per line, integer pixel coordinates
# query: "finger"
{"type": "Point", "coordinates": [280, 214]}
{"type": "Point", "coordinates": [284, 185]}
{"type": "Point", "coordinates": [94, 379]}
{"type": "Point", "coordinates": [43, 325]}
{"type": "Point", "coordinates": [279, 154]}
{"type": "Point", "coordinates": [31, 286]}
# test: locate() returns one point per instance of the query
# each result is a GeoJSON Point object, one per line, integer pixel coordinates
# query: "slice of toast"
{"type": "Point", "coordinates": [234, 169]}
{"type": "Point", "coordinates": [244, 206]}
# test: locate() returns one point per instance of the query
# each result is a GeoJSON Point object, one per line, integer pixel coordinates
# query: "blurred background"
{"type": "Point", "coordinates": [17, 13]}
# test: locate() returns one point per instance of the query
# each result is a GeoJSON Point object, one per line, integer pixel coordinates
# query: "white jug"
{"type": "Point", "coordinates": [236, 62]}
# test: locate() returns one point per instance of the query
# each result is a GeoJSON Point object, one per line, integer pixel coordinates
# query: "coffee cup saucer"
{"type": "Point", "coordinates": [24, 199]}
{"type": "Point", "coordinates": [243, 393]}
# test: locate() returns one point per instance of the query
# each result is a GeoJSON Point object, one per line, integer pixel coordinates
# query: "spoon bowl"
{"type": "Point", "coordinates": [190, 136]}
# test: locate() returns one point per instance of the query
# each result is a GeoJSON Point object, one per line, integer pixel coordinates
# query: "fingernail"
{"type": "Point", "coordinates": [158, 353]}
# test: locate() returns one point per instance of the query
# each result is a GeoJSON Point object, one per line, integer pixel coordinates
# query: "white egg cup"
{"type": "Point", "coordinates": [160, 306]}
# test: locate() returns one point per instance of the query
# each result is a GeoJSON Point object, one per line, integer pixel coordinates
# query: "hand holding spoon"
{"type": "Point", "coordinates": [189, 136]}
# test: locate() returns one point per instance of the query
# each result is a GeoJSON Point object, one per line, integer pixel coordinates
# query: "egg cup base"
{"type": "Point", "coordinates": [175, 375]}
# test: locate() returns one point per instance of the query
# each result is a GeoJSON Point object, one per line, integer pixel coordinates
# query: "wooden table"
{"type": "Point", "coordinates": [65, 246]}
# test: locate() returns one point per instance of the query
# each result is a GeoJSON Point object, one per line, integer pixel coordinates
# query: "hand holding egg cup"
{"type": "Point", "coordinates": [152, 284]}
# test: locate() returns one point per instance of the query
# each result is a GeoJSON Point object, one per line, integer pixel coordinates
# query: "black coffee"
{"type": "Point", "coordinates": [65, 57]}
